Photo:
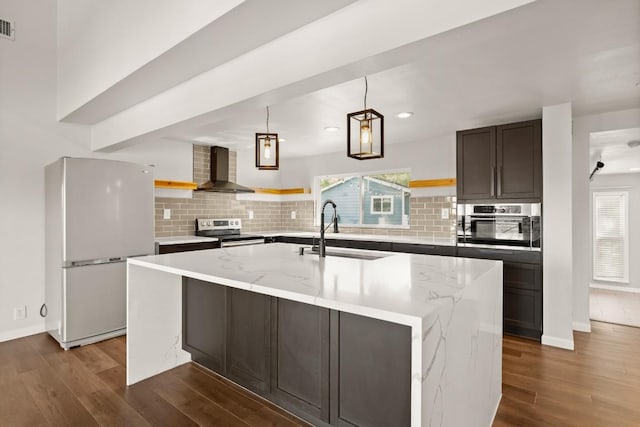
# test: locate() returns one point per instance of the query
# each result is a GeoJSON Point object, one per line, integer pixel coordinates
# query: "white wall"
{"type": "Point", "coordinates": [102, 42]}
{"type": "Point", "coordinates": [629, 182]}
{"type": "Point", "coordinates": [582, 127]}
{"type": "Point", "coordinates": [432, 159]}
{"type": "Point", "coordinates": [557, 289]}
{"type": "Point", "coordinates": [30, 138]}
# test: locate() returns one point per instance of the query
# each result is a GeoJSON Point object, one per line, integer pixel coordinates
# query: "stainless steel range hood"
{"type": "Point", "coordinates": [219, 175]}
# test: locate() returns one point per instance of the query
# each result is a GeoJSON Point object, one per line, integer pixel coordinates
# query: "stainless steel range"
{"type": "Point", "coordinates": [227, 230]}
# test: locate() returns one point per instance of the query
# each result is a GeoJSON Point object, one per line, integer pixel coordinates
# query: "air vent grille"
{"type": "Point", "coordinates": [7, 29]}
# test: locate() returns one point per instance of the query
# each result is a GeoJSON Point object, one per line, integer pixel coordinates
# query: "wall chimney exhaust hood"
{"type": "Point", "coordinates": [219, 175]}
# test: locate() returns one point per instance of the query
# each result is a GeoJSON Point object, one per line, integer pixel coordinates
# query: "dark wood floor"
{"type": "Point", "coordinates": [596, 385]}
{"type": "Point", "coordinates": [40, 385]}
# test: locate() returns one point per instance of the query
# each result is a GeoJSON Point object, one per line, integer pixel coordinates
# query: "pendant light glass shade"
{"type": "Point", "coordinates": [267, 149]}
{"type": "Point", "coordinates": [365, 132]}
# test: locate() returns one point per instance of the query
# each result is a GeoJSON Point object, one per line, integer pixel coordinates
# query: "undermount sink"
{"type": "Point", "coordinates": [355, 254]}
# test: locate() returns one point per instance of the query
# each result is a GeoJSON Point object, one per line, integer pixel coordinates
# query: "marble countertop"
{"type": "Point", "coordinates": [366, 237]}
{"type": "Point", "coordinates": [399, 287]}
{"type": "Point", "coordinates": [177, 240]}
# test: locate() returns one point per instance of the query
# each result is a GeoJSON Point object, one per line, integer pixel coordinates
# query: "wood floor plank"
{"type": "Point", "coordinates": [58, 405]}
{"type": "Point", "coordinates": [194, 405]}
{"type": "Point", "coordinates": [145, 400]}
{"type": "Point", "coordinates": [115, 348]}
{"type": "Point", "coordinates": [94, 359]}
{"type": "Point", "coordinates": [17, 407]}
{"type": "Point", "coordinates": [111, 411]}
{"type": "Point", "coordinates": [251, 409]}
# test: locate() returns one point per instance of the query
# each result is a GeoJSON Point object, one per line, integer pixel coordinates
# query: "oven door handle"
{"type": "Point", "coordinates": [224, 244]}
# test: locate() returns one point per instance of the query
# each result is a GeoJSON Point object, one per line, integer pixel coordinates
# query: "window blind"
{"type": "Point", "coordinates": [610, 236]}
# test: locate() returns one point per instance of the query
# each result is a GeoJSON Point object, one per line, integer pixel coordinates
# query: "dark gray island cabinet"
{"type": "Point", "coordinates": [328, 367]}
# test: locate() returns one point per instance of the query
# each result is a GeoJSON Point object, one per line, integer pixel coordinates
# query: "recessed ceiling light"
{"type": "Point", "coordinates": [281, 139]}
{"type": "Point", "coordinates": [404, 115]}
{"type": "Point", "coordinates": [332, 129]}
{"type": "Point", "coordinates": [634, 169]}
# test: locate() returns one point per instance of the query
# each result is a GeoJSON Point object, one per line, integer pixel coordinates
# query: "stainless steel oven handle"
{"type": "Point", "coordinates": [242, 243]}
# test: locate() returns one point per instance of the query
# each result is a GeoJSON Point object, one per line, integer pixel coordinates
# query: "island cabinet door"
{"type": "Point", "coordinates": [370, 372]}
{"type": "Point", "coordinates": [248, 339]}
{"type": "Point", "coordinates": [300, 357]}
{"type": "Point", "coordinates": [203, 322]}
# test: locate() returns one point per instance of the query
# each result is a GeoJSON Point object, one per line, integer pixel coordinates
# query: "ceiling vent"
{"type": "Point", "coordinates": [7, 29]}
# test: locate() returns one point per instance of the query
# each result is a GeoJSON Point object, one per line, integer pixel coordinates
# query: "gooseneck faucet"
{"type": "Point", "coordinates": [322, 245]}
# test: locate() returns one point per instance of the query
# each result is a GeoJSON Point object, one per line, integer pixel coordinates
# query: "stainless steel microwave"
{"type": "Point", "coordinates": [516, 225]}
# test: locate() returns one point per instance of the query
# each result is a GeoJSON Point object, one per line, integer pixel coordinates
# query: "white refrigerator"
{"type": "Point", "coordinates": [98, 213]}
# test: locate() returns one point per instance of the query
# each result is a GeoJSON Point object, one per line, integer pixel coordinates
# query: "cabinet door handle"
{"type": "Point", "coordinates": [493, 182]}
{"type": "Point", "coordinates": [499, 179]}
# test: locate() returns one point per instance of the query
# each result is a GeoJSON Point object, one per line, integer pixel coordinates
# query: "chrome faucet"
{"type": "Point", "coordinates": [322, 244]}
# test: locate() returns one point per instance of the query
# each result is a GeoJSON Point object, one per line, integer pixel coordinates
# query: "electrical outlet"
{"type": "Point", "coordinates": [250, 214]}
{"type": "Point", "coordinates": [293, 214]}
{"type": "Point", "coordinates": [445, 213]}
{"type": "Point", "coordinates": [166, 214]}
{"type": "Point", "coordinates": [20, 313]}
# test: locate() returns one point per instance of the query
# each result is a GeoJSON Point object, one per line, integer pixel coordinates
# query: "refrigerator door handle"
{"type": "Point", "coordinates": [94, 261]}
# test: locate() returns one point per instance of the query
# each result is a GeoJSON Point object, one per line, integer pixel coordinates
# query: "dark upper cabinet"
{"type": "Point", "coordinates": [500, 162]}
{"type": "Point", "coordinates": [476, 163]}
{"type": "Point", "coordinates": [519, 160]}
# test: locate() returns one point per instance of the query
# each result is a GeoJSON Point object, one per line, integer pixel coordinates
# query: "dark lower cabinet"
{"type": "Point", "coordinates": [187, 247]}
{"type": "Point", "coordinates": [370, 372]}
{"type": "Point", "coordinates": [248, 339]}
{"type": "Point", "coordinates": [204, 332]}
{"type": "Point", "coordinates": [522, 293]}
{"type": "Point", "coordinates": [300, 357]}
{"type": "Point", "coordinates": [326, 366]}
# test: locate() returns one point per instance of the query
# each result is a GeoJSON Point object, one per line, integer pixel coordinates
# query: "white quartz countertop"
{"type": "Point", "coordinates": [365, 237]}
{"type": "Point", "coordinates": [178, 240]}
{"type": "Point", "coordinates": [399, 287]}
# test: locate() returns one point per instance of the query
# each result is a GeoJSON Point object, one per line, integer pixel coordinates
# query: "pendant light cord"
{"type": "Point", "coordinates": [366, 89]}
{"type": "Point", "coordinates": [267, 119]}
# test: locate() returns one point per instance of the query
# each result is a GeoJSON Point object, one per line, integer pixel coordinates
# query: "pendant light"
{"type": "Point", "coordinates": [365, 132]}
{"type": "Point", "coordinates": [267, 149]}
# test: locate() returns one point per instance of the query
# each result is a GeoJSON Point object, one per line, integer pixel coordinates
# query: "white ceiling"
{"type": "Point", "coordinates": [501, 69]}
{"type": "Point", "coordinates": [619, 150]}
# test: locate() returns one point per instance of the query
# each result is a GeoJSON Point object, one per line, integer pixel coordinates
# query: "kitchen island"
{"type": "Point", "coordinates": [450, 309]}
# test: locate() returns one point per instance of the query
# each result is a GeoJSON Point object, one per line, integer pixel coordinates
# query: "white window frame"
{"type": "Point", "coordinates": [382, 199]}
{"type": "Point", "coordinates": [317, 206]}
{"type": "Point", "coordinates": [625, 199]}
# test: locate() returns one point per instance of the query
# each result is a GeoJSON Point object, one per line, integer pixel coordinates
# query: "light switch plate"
{"type": "Point", "coordinates": [166, 214]}
{"type": "Point", "coordinates": [293, 214]}
{"type": "Point", "coordinates": [445, 213]}
{"type": "Point", "coordinates": [250, 214]}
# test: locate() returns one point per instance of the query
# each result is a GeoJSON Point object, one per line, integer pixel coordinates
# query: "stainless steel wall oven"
{"type": "Point", "coordinates": [514, 225]}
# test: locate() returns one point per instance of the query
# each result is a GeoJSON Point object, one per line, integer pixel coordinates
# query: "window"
{"type": "Point", "coordinates": [366, 200]}
{"type": "Point", "coordinates": [610, 236]}
{"type": "Point", "coordinates": [382, 205]}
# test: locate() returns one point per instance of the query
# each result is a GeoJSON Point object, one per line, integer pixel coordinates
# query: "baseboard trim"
{"type": "Point", "coordinates": [495, 411]}
{"type": "Point", "coordinates": [620, 288]}
{"type": "Point", "coordinates": [22, 332]}
{"type": "Point", "coordinates": [557, 342]}
{"type": "Point", "coordinates": [582, 327]}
